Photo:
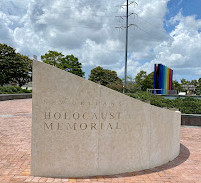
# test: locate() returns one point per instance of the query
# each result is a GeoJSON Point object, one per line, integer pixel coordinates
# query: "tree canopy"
{"type": "Point", "coordinates": [14, 67]}
{"type": "Point", "coordinates": [199, 86]}
{"type": "Point", "coordinates": [68, 63]}
{"type": "Point", "coordinates": [105, 77]}
{"type": "Point", "coordinates": [176, 85]}
{"type": "Point", "coordinates": [143, 81]}
{"type": "Point", "coordinates": [184, 81]}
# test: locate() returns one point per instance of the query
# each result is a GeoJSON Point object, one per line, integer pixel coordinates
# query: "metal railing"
{"type": "Point", "coordinates": [162, 91]}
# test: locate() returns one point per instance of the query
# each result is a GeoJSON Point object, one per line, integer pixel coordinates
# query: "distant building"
{"type": "Point", "coordinates": [188, 87]}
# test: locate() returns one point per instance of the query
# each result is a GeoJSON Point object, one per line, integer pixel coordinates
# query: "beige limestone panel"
{"type": "Point", "coordinates": [164, 136]}
{"type": "Point", "coordinates": [80, 128]}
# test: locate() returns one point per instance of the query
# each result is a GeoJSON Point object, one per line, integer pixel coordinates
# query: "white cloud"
{"type": "Point", "coordinates": [85, 28]}
{"type": "Point", "coordinates": [183, 52]}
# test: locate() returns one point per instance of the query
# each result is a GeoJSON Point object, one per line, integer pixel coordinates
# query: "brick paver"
{"type": "Point", "coordinates": [15, 143]}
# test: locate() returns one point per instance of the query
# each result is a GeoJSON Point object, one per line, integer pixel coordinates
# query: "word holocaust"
{"type": "Point", "coordinates": [82, 116]}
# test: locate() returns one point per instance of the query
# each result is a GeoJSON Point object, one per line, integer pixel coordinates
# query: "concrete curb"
{"type": "Point", "coordinates": [4, 97]}
{"type": "Point", "coordinates": [191, 119]}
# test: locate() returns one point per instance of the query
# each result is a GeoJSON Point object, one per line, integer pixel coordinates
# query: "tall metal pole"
{"type": "Point", "coordinates": [126, 49]}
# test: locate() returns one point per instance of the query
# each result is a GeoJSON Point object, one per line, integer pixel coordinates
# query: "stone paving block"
{"type": "Point", "coordinates": [65, 180]}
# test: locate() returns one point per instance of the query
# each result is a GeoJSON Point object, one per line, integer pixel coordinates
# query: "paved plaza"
{"type": "Point", "coordinates": [15, 150]}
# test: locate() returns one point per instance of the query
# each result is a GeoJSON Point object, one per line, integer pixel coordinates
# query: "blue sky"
{"type": "Point", "coordinates": [186, 7]}
{"type": "Point", "coordinates": [167, 32]}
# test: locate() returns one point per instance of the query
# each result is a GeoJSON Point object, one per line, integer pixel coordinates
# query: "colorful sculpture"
{"type": "Point", "coordinates": [162, 79]}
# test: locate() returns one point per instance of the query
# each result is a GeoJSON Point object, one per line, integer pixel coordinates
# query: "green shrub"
{"type": "Point", "coordinates": [13, 90]}
{"type": "Point", "coordinates": [26, 91]}
{"type": "Point", "coordinates": [188, 105]}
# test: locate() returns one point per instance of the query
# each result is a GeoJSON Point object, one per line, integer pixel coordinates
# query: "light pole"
{"type": "Point", "coordinates": [126, 50]}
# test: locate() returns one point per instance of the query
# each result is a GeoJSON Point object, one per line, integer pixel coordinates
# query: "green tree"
{"type": "Point", "coordinates": [148, 82]}
{"type": "Point", "coordinates": [176, 85]}
{"type": "Point", "coordinates": [129, 84]}
{"type": "Point", "coordinates": [143, 81]}
{"type": "Point", "coordinates": [199, 81]}
{"type": "Point", "coordinates": [14, 67]}
{"type": "Point", "coordinates": [68, 63]}
{"type": "Point", "coordinates": [105, 77]}
{"type": "Point", "coordinates": [140, 77]}
{"type": "Point", "coordinates": [53, 58]}
{"type": "Point", "coordinates": [184, 81]}
{"type": "Point", "coordinates": [198, 88]}
{"type": "Point", "coordinates": [138, 80]}
{"type": "Point", "coordinates": [194, 82]}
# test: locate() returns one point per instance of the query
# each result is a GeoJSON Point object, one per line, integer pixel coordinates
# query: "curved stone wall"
{"type": "Point", "coordinates": [80, 128]}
